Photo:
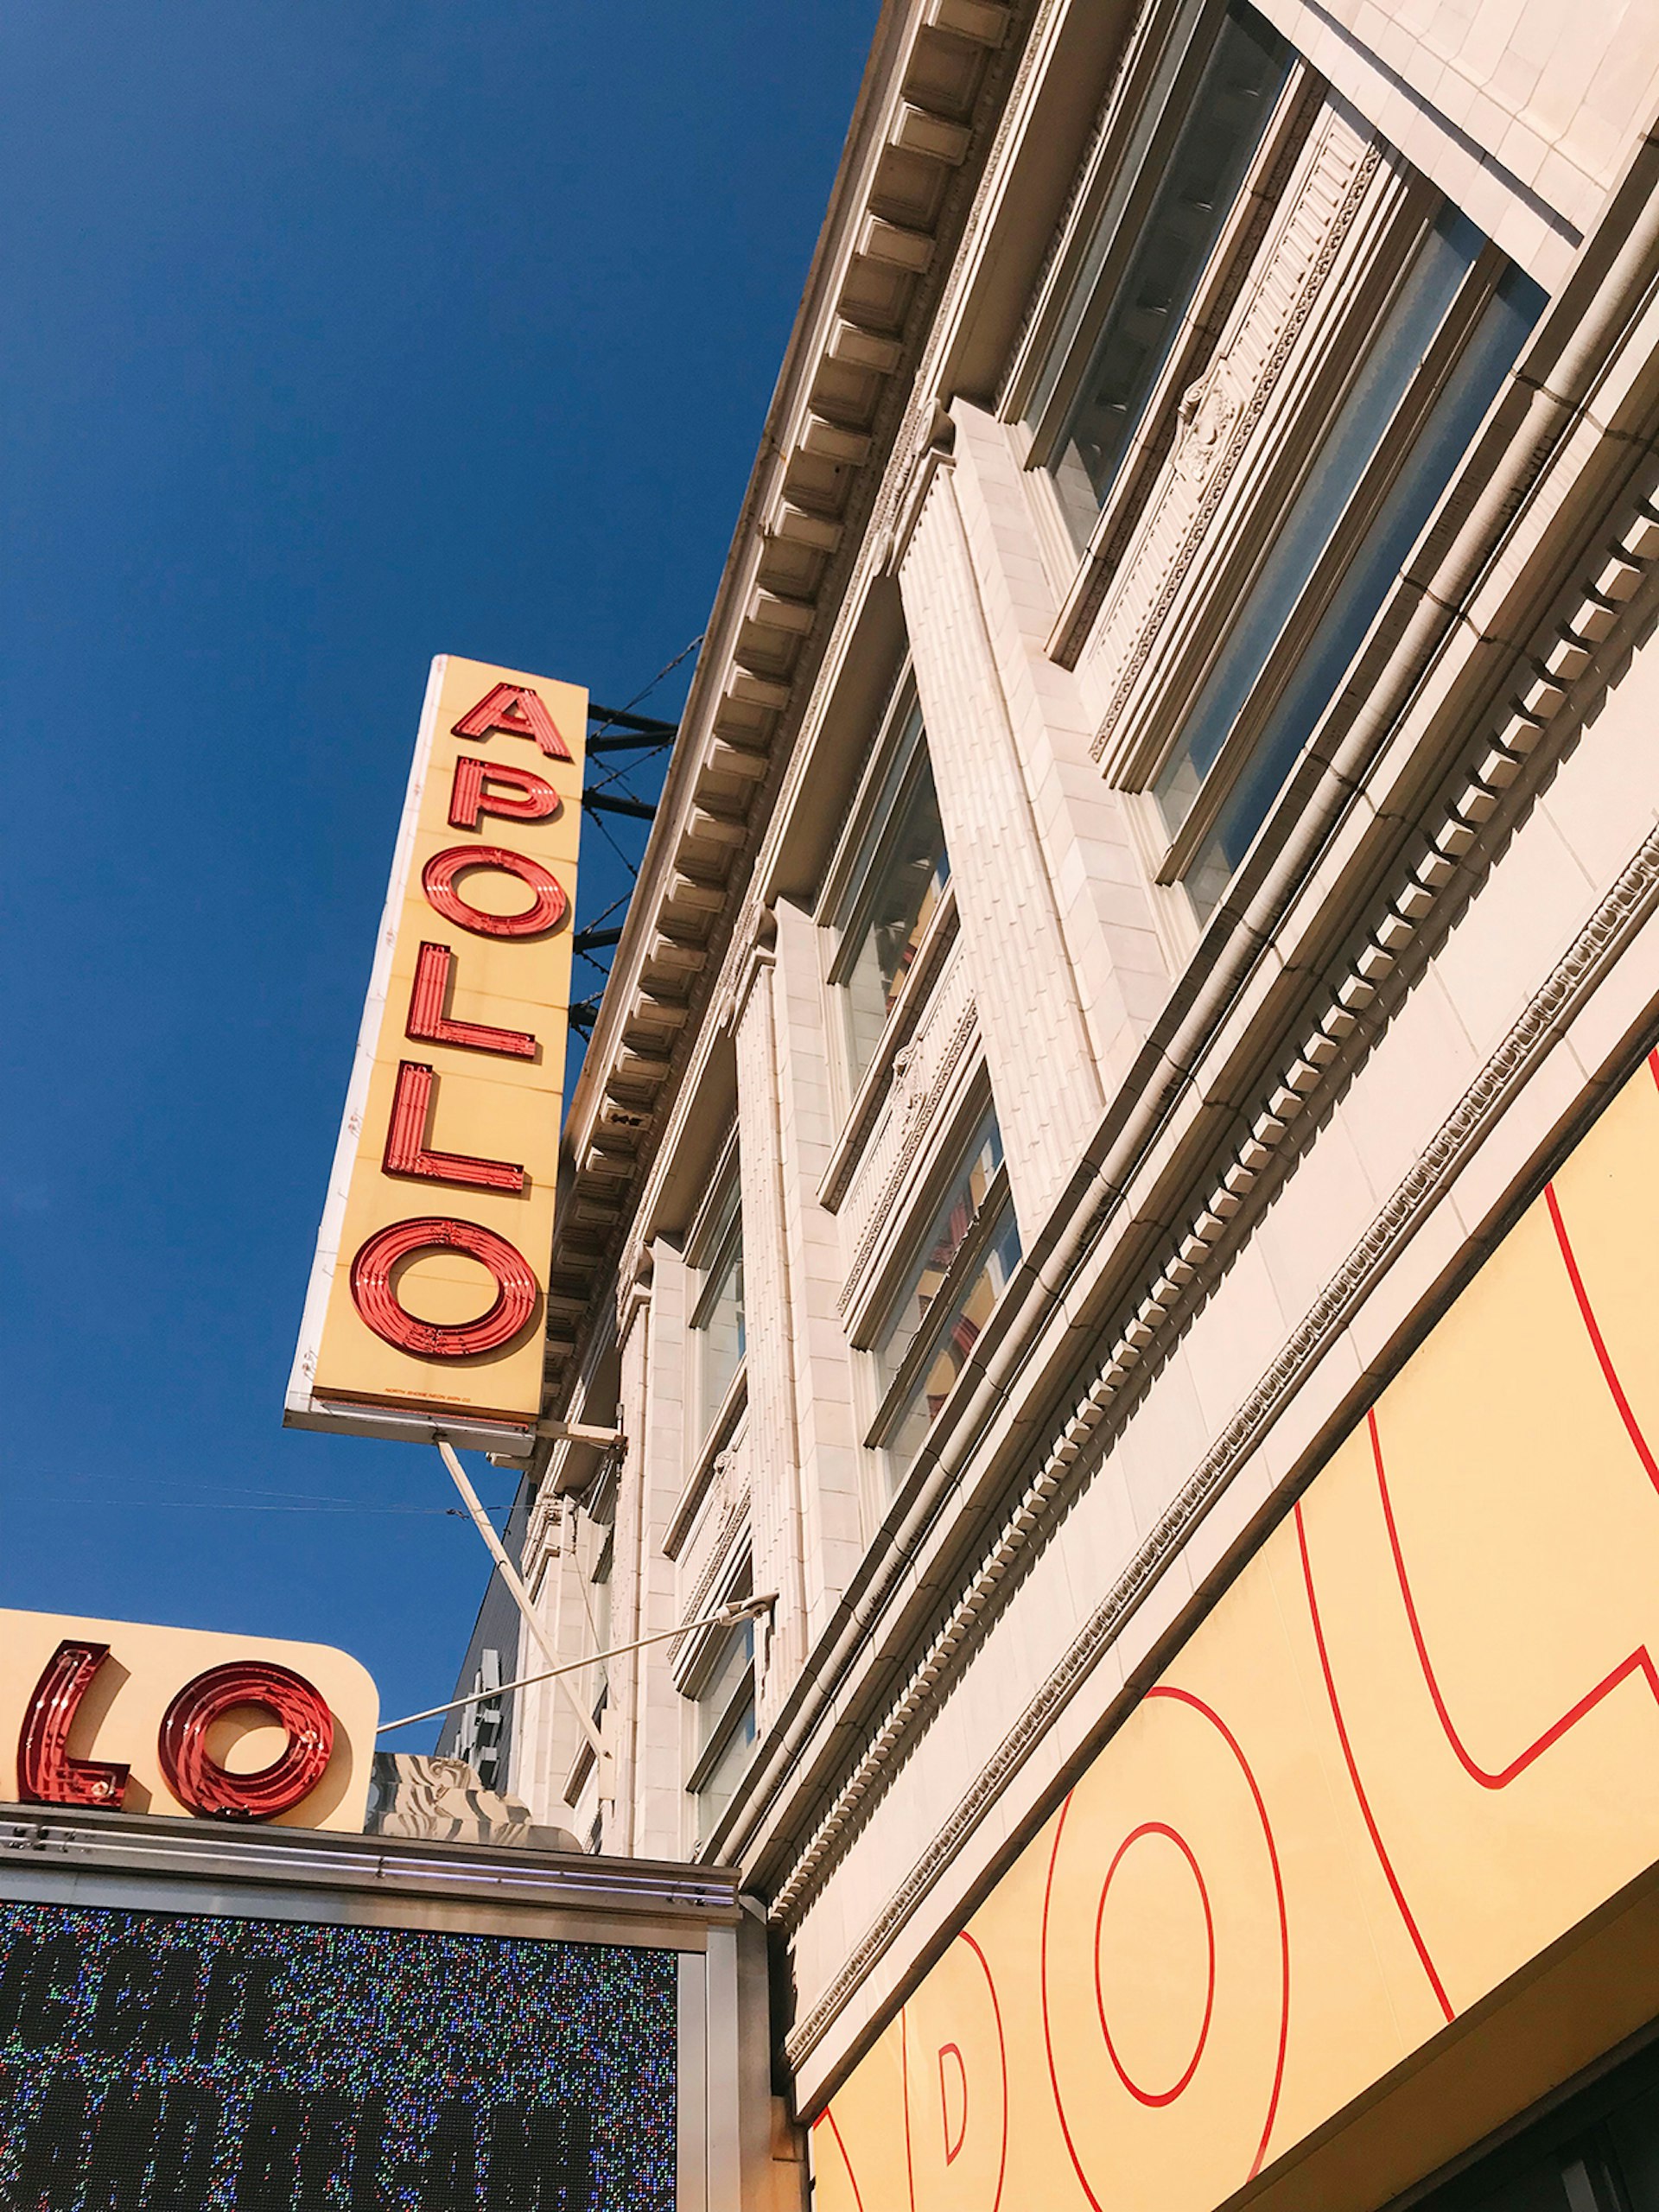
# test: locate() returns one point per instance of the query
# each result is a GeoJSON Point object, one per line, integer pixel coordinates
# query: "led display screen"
{"type": "Point", "coordinates": [164, 2063]}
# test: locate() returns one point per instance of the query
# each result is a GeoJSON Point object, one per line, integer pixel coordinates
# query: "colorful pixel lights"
{"type": "Point", "coordinates": [164, 2063]}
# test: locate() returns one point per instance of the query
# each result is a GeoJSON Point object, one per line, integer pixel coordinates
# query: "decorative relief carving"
{"type": "Point", "coordinates": [1633, 899]}
{"type": "Point", "coordinates": [921, 1075]}
{"type": "Point", "coordinates": [1205, 419]}
{"type": "Point", "coordinates": [542, 1530]}
{"type": "Point", "coordinates": [1227, 402]}
{"type": "Point", "coordinates": [1618, 572]}
{"type": "Point", "coordinates": [754, 939]}
{"type": "Point", "coordinates": [724, 1510]}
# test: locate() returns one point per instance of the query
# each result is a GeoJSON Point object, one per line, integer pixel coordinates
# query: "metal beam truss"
{"type": "Point", "coordinates": [639, 743]}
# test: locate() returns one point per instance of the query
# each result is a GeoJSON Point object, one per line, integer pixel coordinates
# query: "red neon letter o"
{"type": "Point", "coordinates": [377, 1302]}
{"type": "Point", "coordinates": [198, 1780]}
{"type": "Point", "coordinates": [438, 881]}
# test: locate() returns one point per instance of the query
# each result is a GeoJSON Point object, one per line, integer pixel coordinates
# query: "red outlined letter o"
{"type": "Point", "coordinates": [548, 907]}
{"type": "Point", "coordinates": [377, 1300]}
{"type": "Point", "coordinates": [197, 1779]}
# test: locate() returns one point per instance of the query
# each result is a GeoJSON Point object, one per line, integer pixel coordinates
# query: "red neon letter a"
{"type": "Point", "coordinates": [518, 711]}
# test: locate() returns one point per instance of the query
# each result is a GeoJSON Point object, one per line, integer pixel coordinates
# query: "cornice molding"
{"type": "Point", "coordinates": [1632, 900]}
{"type": "Point", "coordinates": [1490, 794]}
{"type": "Point", "coordinates": [869, 306]}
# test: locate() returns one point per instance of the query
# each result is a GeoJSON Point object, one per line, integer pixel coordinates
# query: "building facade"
{"type": "Point", "coordinates": [1114, 1174]}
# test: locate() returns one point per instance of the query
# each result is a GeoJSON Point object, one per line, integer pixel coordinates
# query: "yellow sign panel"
{"type": "Point", "coordinates": [427, 1296]}
{"type": "Point", "coordinates": [122, 1717]}
{"type": "Point", "coordinates": [1395, 1793]}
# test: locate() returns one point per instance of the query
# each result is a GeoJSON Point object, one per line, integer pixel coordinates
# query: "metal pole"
{"type": "Point", "coordinates": [727, 1616]}
{"type": "Point", "coordinates": [514, 1581]}
{"type": "Point", "coordinates": [559, 1568]}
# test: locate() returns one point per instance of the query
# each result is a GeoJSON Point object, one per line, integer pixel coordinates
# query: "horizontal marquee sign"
{"type": "Point", "coordinates": [115, 1716]}
{"type": "Point", "coordinates": [198, 2063]}
{"type": "Point", "coordinates": [1409, 1763]}
{"type": "Point", "coordinates": [427, 1295]}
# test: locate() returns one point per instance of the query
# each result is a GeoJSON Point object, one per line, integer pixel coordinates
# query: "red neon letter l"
{"type": "Point", "coordinates": [46, 1773]}
{"type": "Point", "coordinates": [406, 1152]}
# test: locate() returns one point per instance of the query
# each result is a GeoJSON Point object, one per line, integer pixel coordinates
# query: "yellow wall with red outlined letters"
{"type": "Point", "coordinates": [1395, 1792]}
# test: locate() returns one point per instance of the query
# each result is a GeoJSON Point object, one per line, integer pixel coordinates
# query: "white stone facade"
{"type": "Point", "coordinates": [1251, 1147]}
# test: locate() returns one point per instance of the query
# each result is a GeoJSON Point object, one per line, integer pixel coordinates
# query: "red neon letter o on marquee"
{"type": "Point", "coordinates": [377, 1302]}
{"type": "Point", "coordinates": [198, 1780]}
{"type": "Point", "coordinates": [438, 881]}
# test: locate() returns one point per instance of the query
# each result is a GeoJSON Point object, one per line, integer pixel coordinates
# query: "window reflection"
{"type": "Point", "coordinates": [971, 1250]}
{"type": "Point", "coordinates": [730, 1671]}
{"type": "Point", "coordinates": [1380, 391]}
{"type": "Point", "coordinates": [720, 1784]}
{"type": "Point", "coordinates": [718, 1328]}
{"type": "Point", "coordinates": [905, 884]}
{"type": "Point", "coordinates": [1234, 96]}
{"type": "Point", "coordinates": [724, 1336]}
{"type": "Point", "coordinates": [724, 1720]}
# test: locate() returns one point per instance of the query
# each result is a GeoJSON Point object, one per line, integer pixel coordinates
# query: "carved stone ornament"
{"type": "Point", "coordinates": [910, 1083]}
{"type": "Point", "coordinates": [1630, 902]}
{"type": "Point", "coordinates": [1207, 414]}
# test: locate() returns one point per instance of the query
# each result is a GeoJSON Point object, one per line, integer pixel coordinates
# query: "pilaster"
{"type": "Point", "coordinates": [802, 1445]}
{"type": "Point", "coordinates": [1079, 822]}
{"type": "Point", "coordinates": [549, 1736]}
{"type": "Point", "coordinates": [1037, 1046]}
{"type": "Point", "coordinates": [649, 1720]}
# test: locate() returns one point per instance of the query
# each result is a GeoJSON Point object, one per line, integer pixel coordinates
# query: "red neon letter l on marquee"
{"type": "Point", "coordinates": [406, 1152]}
{"type": "Point", "coordinates": [429, 1024]}
{"type": "Point", "coordinates": [46, 1773]}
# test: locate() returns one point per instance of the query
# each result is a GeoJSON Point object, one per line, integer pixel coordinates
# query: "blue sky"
{"type": "Point", "coordinates": [334, 337]}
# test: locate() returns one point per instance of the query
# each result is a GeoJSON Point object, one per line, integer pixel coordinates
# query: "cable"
{"type": "Point", "coordinates": [667, 669]}
{"type": "Point", "coordinates": [327, 1507]}
{"type": "Point", "coordinates": [632, 867]}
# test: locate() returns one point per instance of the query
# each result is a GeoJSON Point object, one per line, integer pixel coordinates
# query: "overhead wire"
{"type": "Point", "coordinates": [667, 669]}
{"type": "Point", "coordinates": [615, 777]}
{"type": "Point", "coordinates": [292, 1501]}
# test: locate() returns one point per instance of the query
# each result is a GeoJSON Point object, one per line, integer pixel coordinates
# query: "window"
{"type": "Point", "coordinates": [601, 1597]}
{"type": "Point", "coordinates": [480, 1729]}
{"type": "Point", "coordinates": [900, 879]}
{"type": "Point", "coordinates": [963, 1266]}
{"type": "Point", "coordinates": [725, 1724]}
{"type": "Point", "coordinates": [1261, 704]}
{"type": "Point", "coordinates": [719, 1339]}
{"type": "Point", "coordinates": [1140, 316]}
{"type": "Point", "coordinates": [1598, 2152]}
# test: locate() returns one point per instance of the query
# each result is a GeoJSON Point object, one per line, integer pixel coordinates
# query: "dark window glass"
{"type": "Point", "coordinates": [1633, 2131]}
{"type": "Point", "coordinates": [901, 898]}
{"type": "Point", "coordinates": [1599, 2153]}
{"type": "Point", "coordinates": [1351, 446]}
{"type": "Point", "coordinates": [1235, 96]}
{"type": "Point", "coordinates": [931, 1337]}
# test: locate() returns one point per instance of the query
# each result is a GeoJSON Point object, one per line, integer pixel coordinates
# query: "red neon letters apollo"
{"type": "Point", "coordinates": [48, 1775]}
{"type": "Point", "coordinates": [507, 792]}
